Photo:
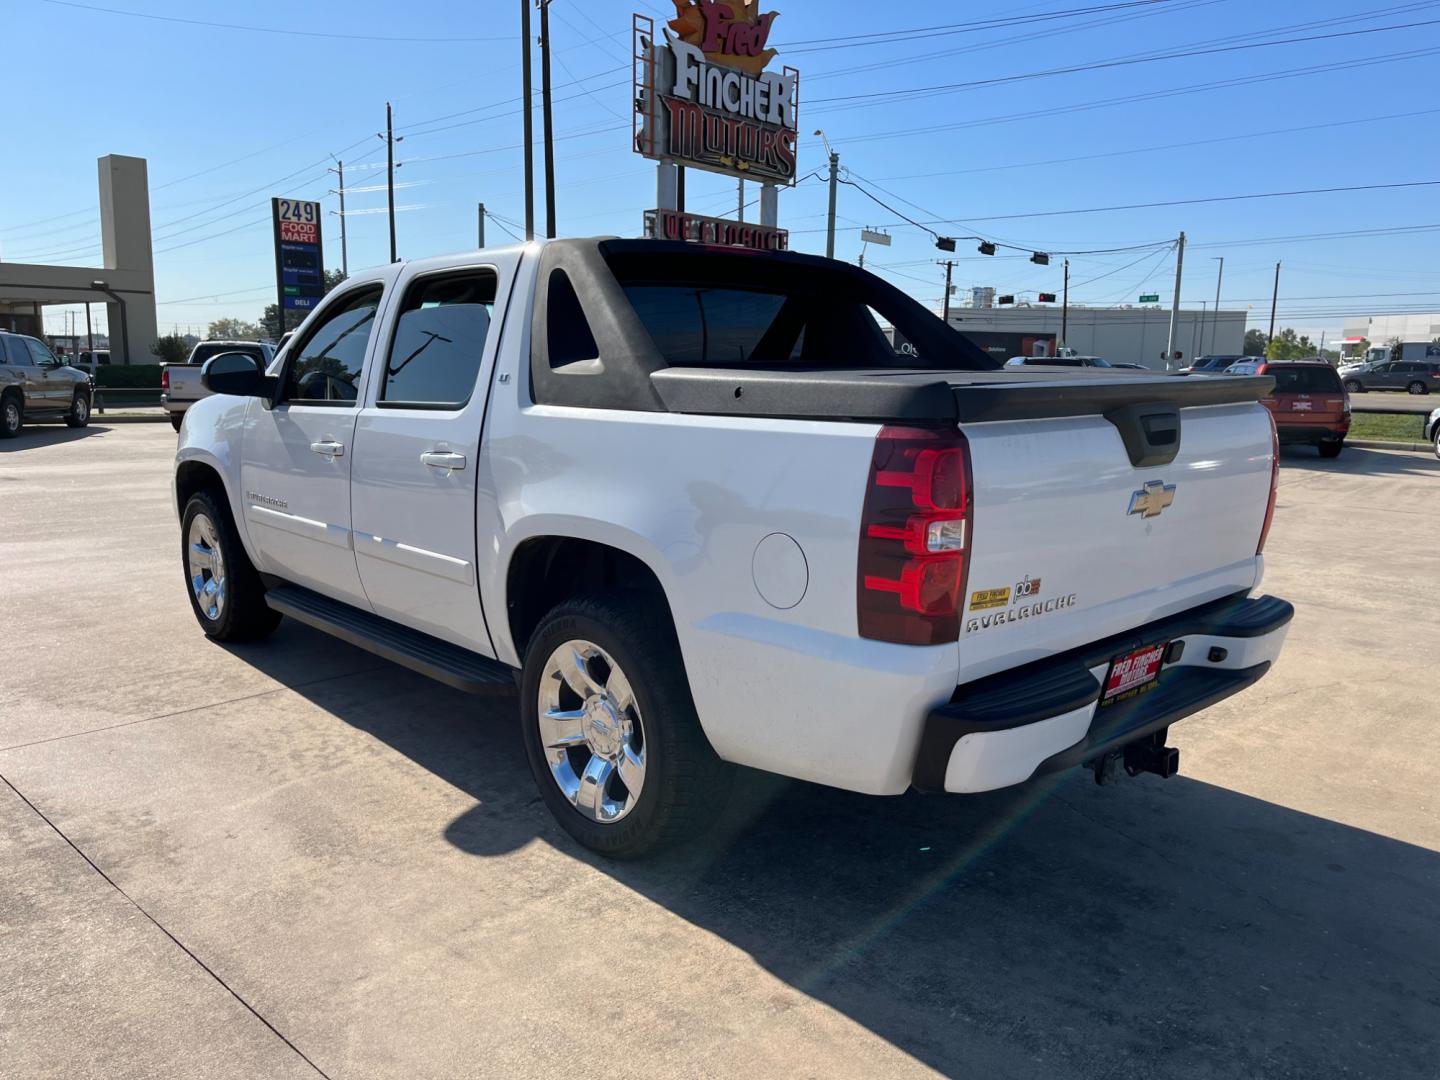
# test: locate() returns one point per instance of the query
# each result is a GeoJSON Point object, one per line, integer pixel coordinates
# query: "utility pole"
{"type": "Point", "coordinates": [390, 173]}
{"type": "Point", "coordinates": [680, 188]}
{"type": "Point", "coordinates": [482, 226]}
{"type": "Point", "coordinates": [740, 200]}
{"type": "Point", "coordinates": [1175, 303]}
{"type": "Point", "coordinates": [1274, 302]}
{"type": "Point", "coordinates": [527, 93]}
{"type": "Point", "coordinates": [1215, 319]}
{"type": "Point", "coordinates": [834, 190]}
{"type": "Point", "coordinates": [339, 171]}
{"type": "Point", "coordinates": [1065, 309]}
{"type": "Point", "coordinates": [546, 119]}
{"type": "Point", "coordinates": [949, 276]}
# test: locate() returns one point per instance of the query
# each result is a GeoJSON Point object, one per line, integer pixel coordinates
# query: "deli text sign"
{"type": "Point", "coordinates": [678, 225]}
{"type": "Point", "coordinates": [705, 99]}
{"type": "Point", "coordinates": [299, 254]}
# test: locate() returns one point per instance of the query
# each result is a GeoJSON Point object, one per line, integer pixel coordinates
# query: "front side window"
{"type": "Point", "coordinates": [439, 341]}
{"type": "Point", "coordinates": [326, 370]}
{"type": "Point", "coordinates": [38, 352]}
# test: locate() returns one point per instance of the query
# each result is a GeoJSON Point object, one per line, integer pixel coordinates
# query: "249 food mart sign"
{"type": "Point", "coordinates": [703, 96]}
{"type": "Point", "coordinates": [299, 256]}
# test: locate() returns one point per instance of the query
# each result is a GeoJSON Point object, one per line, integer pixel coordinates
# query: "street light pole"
{"type": "Point", "coordinates": [527, 92]}
{"type": "Point", "coordinates": [1215, 319]}
{"type": "Point", "coordinates": [390, 173]}
{"type": "Point", "coordinates": [1065, 309]}
{"type": "Point", "coordinates": [1175, 303]}
{"type": "Point", "coordinates": [546, 118]}
{"type": "Point", "coordinates": [1274, 302]}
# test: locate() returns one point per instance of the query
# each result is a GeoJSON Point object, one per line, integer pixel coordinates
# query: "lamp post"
{"type": "Point", "coordinates": [1215, 318]}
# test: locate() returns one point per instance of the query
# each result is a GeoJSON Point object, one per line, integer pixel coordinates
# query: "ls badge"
{"type": "Point", "coordinates": [1152, 499]}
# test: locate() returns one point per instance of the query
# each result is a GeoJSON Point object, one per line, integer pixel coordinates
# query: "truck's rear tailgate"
{"type": "Point", "coordinates": [1072, 542]}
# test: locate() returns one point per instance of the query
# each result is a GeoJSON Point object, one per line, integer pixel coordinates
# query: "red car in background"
{"type": "Point", "coordinates": [1309, 403]}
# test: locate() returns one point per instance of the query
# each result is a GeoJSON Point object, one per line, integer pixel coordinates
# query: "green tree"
{"type": "Point", "coordinates": [233, 330]}
{"type": "Point", "coordinates": [1254, 343]}
{"type": "Point", "coordinates": [171, 349]}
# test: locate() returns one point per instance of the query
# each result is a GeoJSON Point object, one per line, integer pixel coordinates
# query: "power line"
{"type": "Point", "coordinates": [1309, 70]}
{"type": "Point", "coordinates": [273, 29]}
{"type": "Point", "coordinates": [886, 37]}
{"type": "Point", "coordinates": [947, 88]}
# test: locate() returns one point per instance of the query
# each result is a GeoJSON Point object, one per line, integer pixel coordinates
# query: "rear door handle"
{"type": "Point", "coordinates": [440, 459]}
{"type": "Point", "coordinates": [329, 448]}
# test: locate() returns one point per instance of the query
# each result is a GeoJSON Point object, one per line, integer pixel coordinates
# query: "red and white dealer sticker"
{"type": "Point", "coordinates": [1134, 672]}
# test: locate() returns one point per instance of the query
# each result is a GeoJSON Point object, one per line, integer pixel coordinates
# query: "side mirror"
{"type": "Point", "coordinates": [237, 374]}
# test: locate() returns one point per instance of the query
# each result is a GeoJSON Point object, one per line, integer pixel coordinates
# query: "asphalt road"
{"type": "Point", "coordinates": [291, 859]}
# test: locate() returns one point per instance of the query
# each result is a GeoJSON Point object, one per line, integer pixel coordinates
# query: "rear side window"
{"type": "Point", "coordinates": [714, 326]}
{"type": "Point", "coordinates": [439, 341]}
{"type": "Point", "coordinates": [1305, 380]}
{"type": "Point", "coordinates": [570, 338]}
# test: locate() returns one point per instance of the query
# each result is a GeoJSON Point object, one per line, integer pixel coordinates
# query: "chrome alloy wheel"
{"type": "Point", "coordinates": [12, 416]}
{"type": "Point", "coordinates": [82, 409]}
{"type": "Point", "coordinates": [591, 732]}
{"type": "Point", "coordinates": [207, 567]}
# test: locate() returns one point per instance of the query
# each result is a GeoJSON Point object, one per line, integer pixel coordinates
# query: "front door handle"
{"type": "Point", "coordinates": [443, 459]}
{"type": "Point", "coordinates": [329, 448]}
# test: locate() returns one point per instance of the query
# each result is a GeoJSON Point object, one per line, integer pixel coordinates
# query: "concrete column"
{"type": "Point", "coordinates": [125, 240]}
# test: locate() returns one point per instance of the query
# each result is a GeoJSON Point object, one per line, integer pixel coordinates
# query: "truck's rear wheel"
{"type": "Point", "coordinates": [1331, 449]}
{"type": "Point", "coordinates": [226, 593]}
{"type": "Point", "coordinates": [176, 419]}
{"type": "Point", "coordinates": [610, 729]}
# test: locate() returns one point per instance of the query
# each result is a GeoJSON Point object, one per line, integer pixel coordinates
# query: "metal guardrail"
{"type": "Point", "coordinates": [114, 397]}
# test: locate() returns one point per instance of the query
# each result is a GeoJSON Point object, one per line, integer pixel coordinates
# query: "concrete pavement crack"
{"type": "Point", "coordinates": [182, 712]}
{"type": "Point", "coordinates": [161, 927]}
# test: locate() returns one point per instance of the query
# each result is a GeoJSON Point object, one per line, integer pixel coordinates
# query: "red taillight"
{"type": "Point", "coordinates": [1274, 485]}
{"type": "Point", "coordinates": [165, 379]}
{"type": "Point", "coordinates": [915, 537]}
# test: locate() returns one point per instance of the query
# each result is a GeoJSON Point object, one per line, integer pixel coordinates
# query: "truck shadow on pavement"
{"type": "Point", "coordinates": [35, 436]}
{"type": "Point", "coordinates": [1358, 461]}
{"type": "Point", "coordinates": [1154, 928]}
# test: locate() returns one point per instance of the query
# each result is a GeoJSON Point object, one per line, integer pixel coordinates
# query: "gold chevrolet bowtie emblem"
{"type": "Point", "coordinates": [1152, 499]}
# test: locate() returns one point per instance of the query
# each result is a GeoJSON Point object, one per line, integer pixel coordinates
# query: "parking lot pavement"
{"type": "Point", "coordinates": [294, 849]}
{"type": "Point", "coordinates": [1378, 401]}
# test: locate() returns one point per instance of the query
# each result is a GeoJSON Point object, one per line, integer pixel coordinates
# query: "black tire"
{"type": "Point", "coordinates": [1331, 449]}
{"type": "Point", "coordinates": [1354, 386]}
{"type": "Point", "coordinates": [1437, 440]}
{"type": "Point", "coordinates": [243, 615]}
{"type": "Point", "coordinates": [685, 784]}
{"type": "Point", "coordinates": [176, 419]}
{"type": "Point", "coordinates": [79, 414]}
{"type": "Point", "coordinates": [1417, 387]}
{"type": "Point", "coordinates": [12, 415]}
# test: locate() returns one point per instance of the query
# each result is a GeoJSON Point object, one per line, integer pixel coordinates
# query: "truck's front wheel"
{"type": "Point", "coordinates": [226, 593]}
{"type": "Point", "coordinates": [610, 728]}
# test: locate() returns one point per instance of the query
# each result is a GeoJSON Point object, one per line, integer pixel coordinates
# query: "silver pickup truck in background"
{"type": "Point", "coordinates": [180, 383]}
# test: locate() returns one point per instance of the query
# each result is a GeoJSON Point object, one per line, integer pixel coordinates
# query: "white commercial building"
{"type": "Point", "coordinates": [1130, 335]}
{"type": "Point", "coordinates": [124, 283]}
{"type": "Point", "coordinates": [1383, 329]}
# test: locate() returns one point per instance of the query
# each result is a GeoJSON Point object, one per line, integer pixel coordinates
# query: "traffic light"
{"type": "Point", "coordinates": [987, 248]}
{"type": "Point", "coordinates": [1047, 298]}
{"type": "Point", "coordinates": [1040, 259]}
{"type": "Point", "coordinates": [945, 243]}
{"type": "Point", "coordinates": [1005, 300]}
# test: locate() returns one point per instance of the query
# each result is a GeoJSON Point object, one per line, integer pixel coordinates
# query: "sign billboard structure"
{"type": "Point", "coordinates": [704, 98]}
{"type": "Point", "coordinates": [299, 257]}
{"type": "Point", "coordinates": [698, 229]}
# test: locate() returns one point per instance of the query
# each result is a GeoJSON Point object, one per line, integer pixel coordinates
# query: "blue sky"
{"type": "Point", "coordinates": [229, 116]}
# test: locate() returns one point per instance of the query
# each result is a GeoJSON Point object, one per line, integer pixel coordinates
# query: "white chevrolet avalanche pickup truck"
{"type": "Point", "coordinates": [695, 503]}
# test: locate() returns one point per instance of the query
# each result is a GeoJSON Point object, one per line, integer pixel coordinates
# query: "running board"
{"type": "Point", "coordinates": [440, 660]}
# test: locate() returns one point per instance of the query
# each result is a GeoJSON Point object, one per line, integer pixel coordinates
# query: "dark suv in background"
{"type": "Point", "coordinates": [1416, 376]}
{"type": "Point", "coordinates": [36, 385]}
{"type": "Point", "coordinates": [1308, 403]}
